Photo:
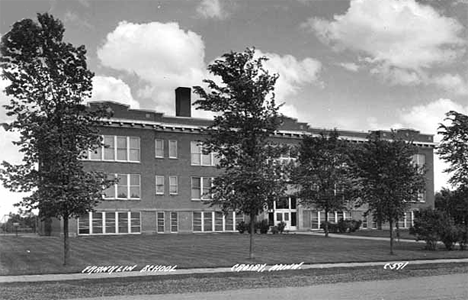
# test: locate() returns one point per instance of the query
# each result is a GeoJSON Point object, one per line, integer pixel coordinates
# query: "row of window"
{"type": "Point", "coordinates": [109, 223]}
{"type": "Point", "coordinates": [117, 148]}
{"type": "Point", "coordinates": [127, 187]}
{"type": "Point", "coordinates": [318, 217]}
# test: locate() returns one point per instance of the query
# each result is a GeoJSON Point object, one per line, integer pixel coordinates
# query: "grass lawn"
{"type": "Point", "coordinates": [39, 255]}
{"type": "Point", "coordinates": [404, 233]}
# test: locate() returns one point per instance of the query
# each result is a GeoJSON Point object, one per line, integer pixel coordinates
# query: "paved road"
{"type": "Point", "coordinates": [453, 287]}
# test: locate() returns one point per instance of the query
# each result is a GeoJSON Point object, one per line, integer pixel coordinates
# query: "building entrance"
{"type": "Point", "coordinates": [285, 211]}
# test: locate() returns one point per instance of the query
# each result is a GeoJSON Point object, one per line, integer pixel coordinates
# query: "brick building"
{"type": "Point", "coordinates": [163, 175]}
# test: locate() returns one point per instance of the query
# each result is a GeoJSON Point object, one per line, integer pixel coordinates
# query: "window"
{"type": "Point", "coordinates": [127, 187]}
{"type": "Point", "coordinates": [218, 221]}
{"type": "Point", "coordinates": [229, 222]}
{"type": "Point", "coordinates": [198, 158]}
{"type": "Point", "coordinates": [109, 223]}
{"type": "Point", "coordinates": [135, 222]}
{"type": "Point", "coordinates": [134, 152]}
{"type": "Point", "coordinates": [109, 147]}
{"type": "Point", "coordinates": [207, 221]}
{"type": "Point", "coordinates": [174, 222]}
{"type": "Point", "coordinates": [201, 188]}
{"type": "Point", "coordinates": [117, 148]}
{"type": "Point", "coordinates": [197, 221]}
{"type": "Point", "coordinates": [121, 148]}
{"type": "Point", "coordinates": [172, 149]}
{"type": "Point", "coordinates": [134, 186]}
{"type": "Point", "coordinates": [160, 185]}
{"type": "Point", "coordinates": [159, 145]}
{"type": "Point", "coordinates": [161, 222]}
{"type": "Point", "coordinates": [173, 185]}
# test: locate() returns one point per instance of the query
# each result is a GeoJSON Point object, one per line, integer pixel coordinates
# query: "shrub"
{"type": "Point", "coordinates": [354, 225]}
{"type": "Point", "coordinates": [342, 226]}
{"type": "Point", "coordinates": [462, 237]}
{"type": "Point", "coordinates": [449, 235]}
{"type": "Point", "coordinates": [427, 227]}
{"type": "Point", "coordinates": [274, 230]}
{"type": "Point", "coordinates": [247, 227]}
{"type": "Point", "coordinates": [281, 226]}
{"type": "Point", "coordinates": [332, 227]}
{"type": "Point", "coordinates": [241, 227]}
{"type": "Point", "coordinates": [263, 226]}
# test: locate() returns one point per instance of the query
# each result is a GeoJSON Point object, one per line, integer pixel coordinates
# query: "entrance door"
{"type": "Point", "coordinates": [285, 211]}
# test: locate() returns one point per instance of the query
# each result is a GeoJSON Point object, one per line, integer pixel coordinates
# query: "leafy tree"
{"type": "Point", "coordinates": [247, 116]}
{"type": "Point", "coordinates": [48, 81]}
{"type": "Point", "coordinates": [389, 180]}
{"type": "Point", "coordinates": [453, 148]}
{"type": "Point", "coordinates": [323, 176]}
{"type": "Point", "coordinates": [427, 225]}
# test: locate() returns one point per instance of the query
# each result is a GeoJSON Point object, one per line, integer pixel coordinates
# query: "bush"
{"type": "Point", "coordinates": [427, 227]}
{"type": "Point", "coordinates": [281, 226]}
{"type": "Point", "coordinates": [462, 237]}
{"type": "Point", "coordinates": [354, 225]}
{"type": "Point", "coordinates": [449, 235]}
{"type": "Point", "coordinates": [332, 227]}
{"type": "Point", "coordinates": [274, 230]}
{"type": "Point", "coordinates": [342, 226]}
{"type": "Point", "coordinates": [263, 226]}
{"type": "Point", "coordinates": [241, 227]}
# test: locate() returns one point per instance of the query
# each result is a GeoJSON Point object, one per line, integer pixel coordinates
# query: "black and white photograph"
{"type": "Point", "coordinates": [233, 149]}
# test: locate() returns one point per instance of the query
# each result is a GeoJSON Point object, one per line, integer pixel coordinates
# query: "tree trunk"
{"type": "Point", "coordinates": [391, 237]}
{"type": "Point", "coordinates": [326, 223]}
{"type": "Point", "coordinates": [252, 229]}
{"type": "Point", "coordinates": [66, 241]}
{"type": "Point", "coordinates": [397, 227]}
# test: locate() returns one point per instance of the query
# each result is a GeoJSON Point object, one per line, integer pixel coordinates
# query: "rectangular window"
{"type": "Point", "coordinates": [123, 222]}
{"type": "Point", "coordinates": [173, 185]}
{"type": "Point", "coordinates": [218, 221]}
{"type": "Point", "coordinates": [121, 148]}
{"type": "Point", "coordinates": [122, 186]}
{"type": "Point", "coordinates": [135, 222]}
{"type": "Point", "coordinates": [161, 222]}
{"type": "Point", "coordinates": [315, 220]}
{"type": "Point", "coordinates": [195, 152]}
{"type": "Point", "coordinates": [160, 185]}
{"type": "Point", "coordinates": [196, 189]}
{"type": "Point", "coordinates": [97, 222]}
{"type": "Point", "coordinates": [134, 150]}
{"type": "Point", "coordinates": [109, 193]}
{"type": "Point", "coordinates": [109, 147]}
{"type": "Point", "coordinates": [134, 186]}
{"type": "Point", "coordinates": [172, 149]}
{"type": "Point", "coordinates": [174, 222]}
{"type": "Point", "coordinates": [364, 222]}
{"type": "Point", "coordinates": [197, 221]}
{"type": "Point", "coordinates": [293, 219]}
{"type": "Point", "coordinates": [239, 218]}
{"type": "Point", "coordinates": [83, 224]}
{"type": "Point", "coordinates": [206, 185]}
{"type": "Point", "coordinates": [229, 222]}
{"type": "Point", "coordinates": [207, 221]}
{"type": "Point", "coordinates": [110, 222]}
{"type": "Point", "coordinates": [198, 158]}
{"type": "Point", "coordinates": [159, 145]}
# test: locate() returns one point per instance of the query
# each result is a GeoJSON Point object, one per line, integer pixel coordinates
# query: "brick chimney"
{"type": "Point", "coordinates": [183, 102]}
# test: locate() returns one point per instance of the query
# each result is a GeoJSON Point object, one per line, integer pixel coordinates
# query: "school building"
{"type": "Point", "coordinates": [164, 176]}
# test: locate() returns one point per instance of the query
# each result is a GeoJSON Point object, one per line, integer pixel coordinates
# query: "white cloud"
{"type": "Point", "coordinates": [400, 39]}
{"type": "Point", "coordinates": [163, 56]}
{"type": "Point", "coordinates": [349, 66]}
{"type": "Point", "coordinates": [452, 82]}
{"type": "Point", "coordinates": [113, 89]}
{"type": "Point", "coordinates": [211, 9]}
{"type": "Point", "coordinates": [294, 74]}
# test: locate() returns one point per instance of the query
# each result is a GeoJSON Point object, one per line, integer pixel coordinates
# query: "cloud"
{"type": "Point", "coordinates": [399, 39]}
{"type": "Point", "coordinates": [162, 55]}
{"type": "Point", "coordinates": [294, 74]}
{"type": "Point", "coordinates": [211, 9]}
{"type": "Point", "coordinates": [113, 89]}
{"type": "Point", "coordinates": [452, 83]}
{"type": "Point", "coordinates": [74, 19]}
{"type": "Point", "coordinates": [349, 66]}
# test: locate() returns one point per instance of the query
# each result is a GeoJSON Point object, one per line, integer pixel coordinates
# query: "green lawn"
{"type": "Point", "coordinates": [38, 255]}
{"type": "Point", "coordinates": [404, 234]}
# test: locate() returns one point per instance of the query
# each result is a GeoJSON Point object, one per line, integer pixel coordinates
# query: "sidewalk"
{"type": "Point", "coordinates": [81, 276]}
{"type": "Point", "coordinates": [343, 236]}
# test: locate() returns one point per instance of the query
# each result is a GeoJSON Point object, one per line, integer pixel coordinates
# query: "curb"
{"type": "Point", "coordinates": [82, 276]}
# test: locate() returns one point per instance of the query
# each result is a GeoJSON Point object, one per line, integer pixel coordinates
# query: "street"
{"type": "Point", "coordinates": [454, 286]}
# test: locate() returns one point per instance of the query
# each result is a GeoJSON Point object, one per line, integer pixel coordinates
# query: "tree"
{"type": "Point", "coordinates": [252, 178]}
{"type": "Point", "coordinates": [49, 80]}
{"type": "Point", "coordinates": [322, 175]}
{"type": "Point", "coordinates": [453, 148]}
{"type": "Point", "coordinates": [389, 180]}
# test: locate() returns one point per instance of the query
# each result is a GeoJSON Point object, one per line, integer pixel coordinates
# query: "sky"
{"type": "Point", "coordinates": [346, 64]}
